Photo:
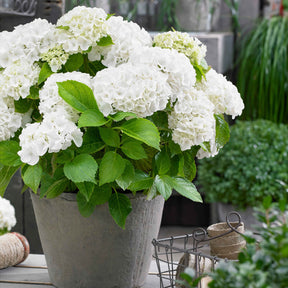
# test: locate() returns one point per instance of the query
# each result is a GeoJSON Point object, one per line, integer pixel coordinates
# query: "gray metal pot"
{"type": "Point", "coordinates": [94, 252]}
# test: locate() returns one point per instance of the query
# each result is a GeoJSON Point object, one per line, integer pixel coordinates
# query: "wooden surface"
{"type": "Point", "coordinates": [33, 273]}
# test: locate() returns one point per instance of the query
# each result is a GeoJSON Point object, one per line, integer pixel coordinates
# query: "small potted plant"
{"type": "Point", "coordinates": [105, 122]}
{"type": "Point", "coordinates": [251, 166]}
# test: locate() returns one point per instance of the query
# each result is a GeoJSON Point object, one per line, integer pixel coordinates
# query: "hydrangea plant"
{"type": "Point", "coordinates": [94, 105]}
{"type": "Point", "coordinates": [7, 216]}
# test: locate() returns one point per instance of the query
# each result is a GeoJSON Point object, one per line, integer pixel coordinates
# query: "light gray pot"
{"type": "Point", "coordinates": [94, 252]}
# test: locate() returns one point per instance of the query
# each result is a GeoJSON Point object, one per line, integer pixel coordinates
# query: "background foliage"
{"type": "Point", "coordinates": [252, 165]}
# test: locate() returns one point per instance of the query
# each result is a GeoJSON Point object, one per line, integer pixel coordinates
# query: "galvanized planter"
{"type": "Point", "coordinates": [94, 252]}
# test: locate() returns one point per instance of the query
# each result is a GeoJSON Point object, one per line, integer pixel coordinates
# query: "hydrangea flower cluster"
{"type": "Point", "coordinates": [7, 216]}
{"type": "Point", "coordinates": [139, 76]}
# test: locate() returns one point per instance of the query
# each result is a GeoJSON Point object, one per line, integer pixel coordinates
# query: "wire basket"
{"type": "Point", "coordinates": [174, 254]}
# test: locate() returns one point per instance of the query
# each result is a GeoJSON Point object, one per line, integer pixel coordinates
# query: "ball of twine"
{"type": "Point", "coordinates": [14, 249]}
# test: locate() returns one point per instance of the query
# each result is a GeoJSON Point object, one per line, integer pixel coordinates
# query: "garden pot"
{"type": "Point", "coordinates": [247, 216]}
{"type": "Point", "coordinates": [94, 252]}
{"type": "Point", "coordinates": [226, 245]}
{"type": "Point", "coordinates": [196, 16]}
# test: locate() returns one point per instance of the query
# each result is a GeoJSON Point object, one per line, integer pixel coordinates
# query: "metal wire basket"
{"type": "Point", "coordinates": [174, 254]}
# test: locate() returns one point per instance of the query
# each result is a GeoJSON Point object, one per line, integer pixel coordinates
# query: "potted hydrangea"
{"type": "Point", "coordinates": [93, 106]}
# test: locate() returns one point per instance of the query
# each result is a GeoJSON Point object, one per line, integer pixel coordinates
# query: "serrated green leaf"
{"type": "Point", "coordinates": [110, 137]}
{"type": "Point", "coordinates": [92, 118]}
{"type": "Point", "coordinates": [6, 173]}
{"type": "Point", "coordinates": [189, 167]}
{"type": "Point", "coordinates": [142, 130]}
{"type": "Point", "coordinates": [162, 160]}
{"type": "Point", "coordinates": [127, 176]}
{"type": "Point", "coordinates": [57, 188]}
{"type": "Point", "coordinates": [44, 73]}
{"type": "Point", "coordinates": [120, 207]}
{"type": "Point", "coordinates": [163, 184]}
{"type": "Point", "coordinates": [111, 167]}
{"type": "Point", "coordinates": [133, 150]}
{"type": "Point", "coordinates": [186, 189]}
{"type": "Point", "coordinates": [34, 93]}
{"type": "Point", "coordinates": [74, 62]}
{"type": "Point", "coordinates": [77, 95]}
{"type": "Point", "coordinates": [105, 41]}
{"type": "Point", "coordinates": [222, 131]}
{"type": "Point", "coordinates": [32, 177]}
{"type": "Point", "coordinates": [22, 105]}
{"type": "Point", "coordinates": [65, 156]}
{"type": "Point", "coordinates": [119, 116]}
{"type": "Point", "coordinates": [90, 195]}
{"type": "Point", "coordinates": [82, 168]}
{"type": "Point", "coordinates": [8, 153]}
{"type": "Point", "coordinates": [141, 181]}
{"type": "Point", "coordinates": [86, 189]}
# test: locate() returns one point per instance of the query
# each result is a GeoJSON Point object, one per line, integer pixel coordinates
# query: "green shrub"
{"type": "Point", "coordinates": [252, 165]}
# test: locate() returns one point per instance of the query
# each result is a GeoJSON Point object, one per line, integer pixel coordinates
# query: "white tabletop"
{"type": "Point", "coordinates": [34, 271]}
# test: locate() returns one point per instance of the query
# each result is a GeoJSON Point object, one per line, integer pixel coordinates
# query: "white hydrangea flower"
{"type": "Point", "coordinates": [7, 215]}
{"type": "Point", "coordinates": [192, 121]}
{"type": "Point", "coordinates": [213, 150]}
{"type": "Point", "coordinates": [53, 134]}
{"type": "Point", "coordinates": [183, 43]}
{"type": "Point", "coordinates": [17, 78]}
{"type": "Point", "coordinates": [140, 89]}
{"type": "Point", "coordinates": [222, 93]}
{"type": "Point", "coordinates": [51, 101]}
{"type": "Point", "coordinates": [126, 36]}
{"type": "Point", "coordinates": [86, 26]}
{"type": "Point", "coordinates": [55, 57]}
{"type": "Point", "coordinates": [23, 42]}
{"type": "Point", "coordinates": [10, 121]}
{"type": "Point", "coordinates": [181, 74]}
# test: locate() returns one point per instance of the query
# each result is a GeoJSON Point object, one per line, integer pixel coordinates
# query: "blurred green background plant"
{"type": "Point", "coordinates": [263, 71]}
{"type": "Point", "coordinates": [252, 165]}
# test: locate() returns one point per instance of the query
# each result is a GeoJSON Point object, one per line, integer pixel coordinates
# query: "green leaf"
{"type": "Point", "coordinates": [91, 142]}
{"type": "Point", "coordinates": [206, 146]}
{"type": "Point", "coordinates": [8, 153]}
{"type": "Point", "coordinates": [34, 93]}
{"type": "Point", "coordinates": [6, 173]}
{"type": "Point", "coordinates": [82, 168]}
{"type": "Point", "coordinates": [119, 207]}
{"type": "Point", "coordinates": [92, 118]}
{"type": "Point", "coordinates": [162, 160]}
{"type": "Point", "coordinates": [267, 201]}
{"type": "Point", "coordinates": [64, 156]}
{"type": "Point", "coordinates": [222, 131]}
{"type": "Point", "coordinates": [44, 73]}
{"type": "Point", "coordinates": [126, 178]}
{"type": "Point", "coordinates": [102, 194]}
{"type": "Point", "coordinates": [186, 189]}
{"type": "Point", "coordinates": [77, 95]}
{"type": "Point", "coordinates": [142, 130]}
{"type": "Point", "coordinates": [57, 188]}
{"type": "Point", "coordinates": [111, 167]}
{"type": "Point", "coordinates": [189, 167]}
{"type": "Point", "coordinates": [86, 206]}
{"type": "Point", "coordinates": [110, 137]}
{"type": "Point", "coordinates": [22, 105]}
{"type": "Point", "coordinates": [141, 181]}
{"type": "Point", "coordinates": [133, 150]}
{"type": "Point", "coordinates": [163, 184]}
{"type": "Point", "coordinates": [74, 62]}
{"type": "Point", "coordinates": [119, 116]}
{"type": "Point", "coordinates": [90, 195]}
{"type": "Point", "coordinates": [32, 177]}
{"type": "Point", "coordinates": [105, 41]}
